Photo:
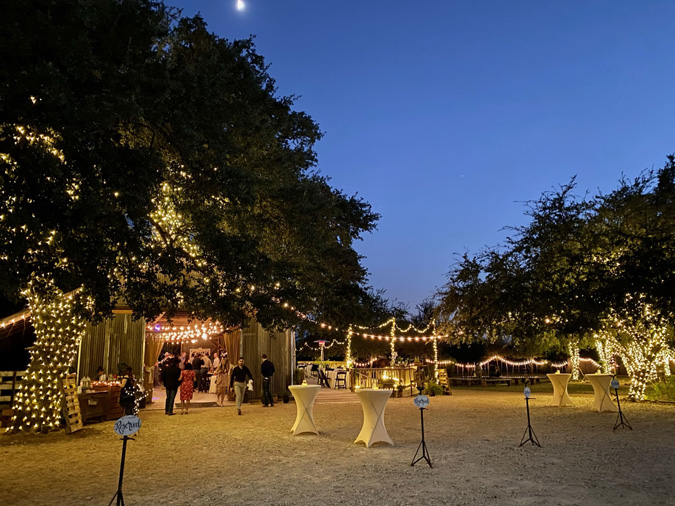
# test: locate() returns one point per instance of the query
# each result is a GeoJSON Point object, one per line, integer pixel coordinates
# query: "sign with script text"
{"type": "Point", "coordinates": [127, 425]}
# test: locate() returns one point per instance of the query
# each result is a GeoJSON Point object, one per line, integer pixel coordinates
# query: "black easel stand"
{"type": "Point", "coordinates": [118, 494]}
{"type": "Point", "coordinates": [621, 420]}
{"type": "Point", "coordinates": [423, 445]}
{"type": "Point", "coordinates": [532, 436]}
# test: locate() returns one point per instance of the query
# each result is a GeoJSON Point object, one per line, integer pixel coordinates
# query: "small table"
{"type": "Point", "coordinates": [603, 399]}
{"type": "Point", "coordinates": [304, 396]}
{"type": "Point", "coordinates": [373, 402]}
{"type": "Point", "coordinates": [93, 405]}
{"type": "Point", "coordinates": [560, 395]}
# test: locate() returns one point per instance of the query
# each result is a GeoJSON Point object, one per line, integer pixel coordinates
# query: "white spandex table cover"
{"type": "Point", "coordinates": [304, 396]}
{"type": "Point", "coordinates": [603, 399]}
{"type": "Point", "coordinates": [373, 403]}
{"type": "Point", "coordinates": [560, 395]}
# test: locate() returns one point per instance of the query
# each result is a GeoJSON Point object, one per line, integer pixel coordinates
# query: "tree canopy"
{"type": "Point", "coordinates": [584, 268]}
{"type": "Point", "coordinates": [151, 162]}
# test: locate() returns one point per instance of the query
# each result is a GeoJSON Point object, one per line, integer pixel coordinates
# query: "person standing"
{"type": "Point", "coordinates": [267, 370]}
{"type": "Point", "coordinates": [206, 369]}
{"type": "Point", "coordinates": [171, 379]}
{"type": "Point", "coordinates": [221, 382]}
{"type": "Point", "coordinates": [238, 381]}
{"type": "Point", "coordinates": [128, 392]}
{"type": "Point", "coordinates": [197, 363]}
{"type": "Point", "coordinates": [187, 378]}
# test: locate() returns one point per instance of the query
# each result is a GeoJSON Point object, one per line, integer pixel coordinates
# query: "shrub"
{"type": "Point", "coordinates": [662, 390]}
{"type": "Point", "coordinates": [432, 388]}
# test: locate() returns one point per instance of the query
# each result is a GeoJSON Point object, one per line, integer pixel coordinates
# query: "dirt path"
{"type": "Point", "coordinates": [213, 456]}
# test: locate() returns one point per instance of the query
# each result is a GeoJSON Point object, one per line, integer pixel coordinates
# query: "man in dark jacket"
{"type": "Point", "coordinates": [238, 376]}
{"type": "Point", "coordinates": [267, 370]}
{"type": "Point", "coordinates": [170, 375]}
{"type": "Point", "coordinates": [197, 363]}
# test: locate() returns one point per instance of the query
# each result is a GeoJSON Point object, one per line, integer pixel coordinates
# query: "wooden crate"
{"type": "Point", "coordinates": [71, 404]}
{"type": "Point", "coordinates": [443, 381]}
{"type": "Point", "coordinates": [9, 384]}
{"type": "Point", "coordinates": [6, 417]}
{"type": "Point", "coordinates": [93, 405]}
{"type": "Point", "coordinates": [114, 411]}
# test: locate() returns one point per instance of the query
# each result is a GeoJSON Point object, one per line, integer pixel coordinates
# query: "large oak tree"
{"type": "Point", "coordinates": [146, 161]}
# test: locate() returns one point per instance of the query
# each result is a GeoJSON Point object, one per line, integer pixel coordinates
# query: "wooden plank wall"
{"type": "Point", "coordinates": [115, 340]}
{"type": "Point", "coordinates": [277, 347]}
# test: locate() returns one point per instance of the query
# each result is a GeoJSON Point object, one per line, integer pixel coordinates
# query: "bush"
{"type": "Point", "coordinates": [662, 390]}
{"type": "Point", "coordinates": [432, 388]}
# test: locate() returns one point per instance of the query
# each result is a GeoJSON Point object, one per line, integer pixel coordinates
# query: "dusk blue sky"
{"type": "Point", "coordinates": [447, 115]}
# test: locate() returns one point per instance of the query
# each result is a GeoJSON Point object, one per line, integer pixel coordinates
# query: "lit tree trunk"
{"type": "Point", "coordinates": [605, 350]}
{"type": "Point", "coordinates": [641, 358]}
{"type": "Point", "coordinates": [58, 330]}
{"type": "Point", "coordinates": [573, 351]}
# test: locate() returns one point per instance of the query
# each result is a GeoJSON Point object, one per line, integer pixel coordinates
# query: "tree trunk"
{"type": "Point", "coordinates": [605, 350]}
{"type": "Point", "coordinates": [573, 350]}
{"type": "Point", "coordinates": [641, 358]}
{"type": "Point", "coordinates": [58, 330]}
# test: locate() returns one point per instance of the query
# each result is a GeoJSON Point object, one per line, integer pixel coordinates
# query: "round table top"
{"type": "Point", "coordinates": [297, 387]}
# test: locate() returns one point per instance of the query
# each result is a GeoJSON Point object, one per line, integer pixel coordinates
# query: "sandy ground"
{"type": "Point", "coordinates": [213, 456]}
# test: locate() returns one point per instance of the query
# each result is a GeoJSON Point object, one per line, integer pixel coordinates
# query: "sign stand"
{"type": "Point", "coordinates": [532, 436]}
{"type": "Point", "coordinates": [422, 401]}
{"type": "Point", "coordinates": [621, 420]}
{"type": "Point", "coordinates": [118, 494]}
{"type": "Point", "coordinates": [125, 427]}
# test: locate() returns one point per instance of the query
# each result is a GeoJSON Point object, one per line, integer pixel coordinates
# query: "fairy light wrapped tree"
{"type": "Point", "coordinates": [584, 272]}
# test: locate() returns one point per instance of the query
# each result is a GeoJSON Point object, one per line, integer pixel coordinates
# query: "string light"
{"type": "Point", "coordinates": [186, 333]}
{"type": "Point", "coordinates": [318, 348]}
{"type": "Point", "coordinates": [58, 331]}
{"type": "Point", "coordinates": [637, 333]}
{"type": "Point", "coordinates": [573, 351]}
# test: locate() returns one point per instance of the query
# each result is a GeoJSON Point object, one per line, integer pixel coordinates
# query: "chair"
{"type": "Point", "coordinates": [323, 379]}
{"type": "Point", "coordinates": [314, 370]}
{"type": "Point", "coordinates": [341, 380]}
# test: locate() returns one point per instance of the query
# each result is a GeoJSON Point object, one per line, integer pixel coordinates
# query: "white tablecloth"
{"type": "Point", "coordinates": [603, 399]}
{"type": "Point", "coordinates": [373, 403]}
{"type": "Point", "coordinates": [304, 396]}
{"type": "Point", "coordinates": [560, 395]}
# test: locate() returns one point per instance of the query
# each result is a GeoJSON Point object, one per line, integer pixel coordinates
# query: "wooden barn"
{"type": "Point", "coordinates": [122, 341]}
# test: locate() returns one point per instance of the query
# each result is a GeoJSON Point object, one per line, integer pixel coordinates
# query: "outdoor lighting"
{"type": "Point", "coordinates": [58, 330]}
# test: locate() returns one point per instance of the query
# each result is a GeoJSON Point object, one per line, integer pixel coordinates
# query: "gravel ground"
{"type": "Point", "coordinates": [213, 456]}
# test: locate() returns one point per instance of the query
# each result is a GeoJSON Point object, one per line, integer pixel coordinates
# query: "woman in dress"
{"type": "Point", "coordinates": [128, 392]}
{"type": "Point", "coordinates": [222, 382]}
{"type": "Point", "coordinates": [187, 378]}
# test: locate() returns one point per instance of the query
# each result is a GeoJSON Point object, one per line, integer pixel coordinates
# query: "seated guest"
{"type": "Point", "coordinates": [100, 374]}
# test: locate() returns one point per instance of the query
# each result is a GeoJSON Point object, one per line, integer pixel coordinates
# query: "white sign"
{"type": "Point", "coordinates": [615, 384]}
{"type": "Point", "coordinates": [127, 425]}
{"type": "Point", "coordinates": [421, 401]}
{"type": "Point", "coordinates": [527, 392]}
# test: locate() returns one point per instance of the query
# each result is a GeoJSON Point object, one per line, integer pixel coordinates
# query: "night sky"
{"type": "Point", "coordinates": [448, 115]}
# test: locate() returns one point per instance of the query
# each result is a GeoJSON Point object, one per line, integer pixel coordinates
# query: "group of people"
{"type": "Point", "coordinates": [175, 377]}
{"type": "Point", "coordinates": [238, 381]}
